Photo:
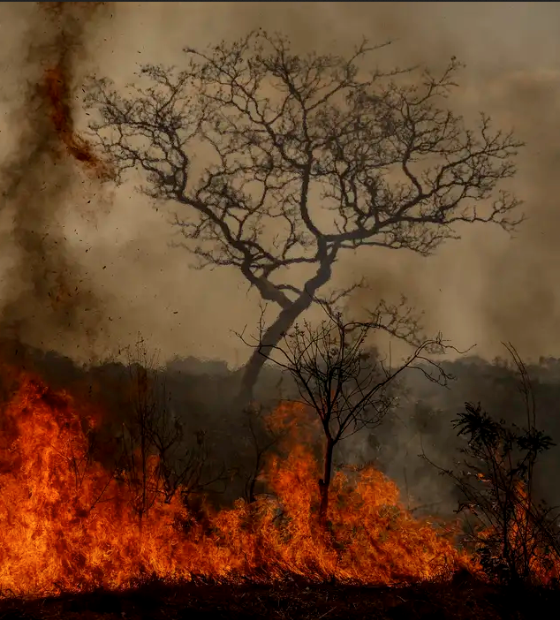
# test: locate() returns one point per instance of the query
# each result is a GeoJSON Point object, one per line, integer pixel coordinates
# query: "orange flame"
{"type": "Point", "coordinates": [69, 527]}
{"type": "Point", "coordinates": [526, 546]}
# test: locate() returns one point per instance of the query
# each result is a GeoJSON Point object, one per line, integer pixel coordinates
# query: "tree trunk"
{"type": "Point", "coordinates": [284, 321]}
{"type": "Point", "coordinates": [272, 336]}
{"type": "Point", "coordinates": [325, 482]}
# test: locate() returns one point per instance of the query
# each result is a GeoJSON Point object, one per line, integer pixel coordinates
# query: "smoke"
{"type": "Point", "coordinates": [520, 296]}
{"type": "Point", "coordinates": [483, 289]}
{"type": "Point", "coordinates": [48, 298]}
{"type": "Point", "coordinates": [489, 287]}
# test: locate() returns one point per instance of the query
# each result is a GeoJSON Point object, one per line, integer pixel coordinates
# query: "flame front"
{"type": "Point", "coordinates": [67, 524]}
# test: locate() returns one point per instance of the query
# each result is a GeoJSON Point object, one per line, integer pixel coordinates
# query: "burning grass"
{"type": "Point", "coordinates": [68, 523]}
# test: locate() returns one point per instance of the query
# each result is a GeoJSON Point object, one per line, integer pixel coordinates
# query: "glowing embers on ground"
{"type": "Point", "coordinates": [67, 523]}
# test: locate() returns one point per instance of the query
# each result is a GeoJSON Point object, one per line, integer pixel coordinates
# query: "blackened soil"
{"type": "Point", "coordinates": [462, 599]}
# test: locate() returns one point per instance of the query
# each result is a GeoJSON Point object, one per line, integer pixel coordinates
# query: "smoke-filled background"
{"type": "Point", "coordinates": [483, 289]}
{"type": "Point", "coordinates": [48, 176]}
{"type": "Point", "coordinates": [84, 268]}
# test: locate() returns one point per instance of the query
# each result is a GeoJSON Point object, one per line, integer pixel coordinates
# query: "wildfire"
{"type": "Point", "coordinates": [527, 546]}
{"type": "Point", "coordinates": [67, 523]}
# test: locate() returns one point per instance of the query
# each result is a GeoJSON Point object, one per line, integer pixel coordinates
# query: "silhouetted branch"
{"type": "Point", "coordinates": [348, 386]}
{"type": "Point", "coordinates": [306, 156]}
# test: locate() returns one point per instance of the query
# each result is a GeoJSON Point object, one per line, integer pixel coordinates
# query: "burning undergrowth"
{"type": "Point", "coordinates": [69, 523]}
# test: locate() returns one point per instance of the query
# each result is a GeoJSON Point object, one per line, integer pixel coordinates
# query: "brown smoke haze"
{"type": "Point", "coordinates": [48, 299]}
{"type": "Point", "coordinates": [78, 276]}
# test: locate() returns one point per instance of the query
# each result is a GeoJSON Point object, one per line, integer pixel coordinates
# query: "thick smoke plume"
{"type": "Point", "coordinates": [48, 298]}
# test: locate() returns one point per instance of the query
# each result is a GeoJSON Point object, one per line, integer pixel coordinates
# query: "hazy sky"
{"type": "Point", "coordinates": [483, 289]}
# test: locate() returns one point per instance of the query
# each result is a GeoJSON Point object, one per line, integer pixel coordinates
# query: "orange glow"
{"type": "Point", "coordinates": [57, 93]}
{"type": "Point", "coordinates": [68, 524]}
{"type": "Point", "coordinates": [56, 86]}
{"type": "Point", "coordinates": [526, 546]}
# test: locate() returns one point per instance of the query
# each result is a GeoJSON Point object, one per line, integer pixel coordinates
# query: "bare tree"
{"type": "Point", "coordinates": [304, 157]}
{"type": "Point", "coordinates": [348, 386]}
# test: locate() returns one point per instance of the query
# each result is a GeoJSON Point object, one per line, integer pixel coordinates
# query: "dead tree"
{"type": "Point", "coordinates": [306, 157]}
{"type": "Point", "coordinates": [348, 386]}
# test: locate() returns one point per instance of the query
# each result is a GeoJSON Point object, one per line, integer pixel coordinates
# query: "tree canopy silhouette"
{"type": "Point", "coordinates": [275, 159]}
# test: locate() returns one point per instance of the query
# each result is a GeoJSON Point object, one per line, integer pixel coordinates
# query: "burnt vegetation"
{"type": "Point", "coordinates": [514, 532]}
